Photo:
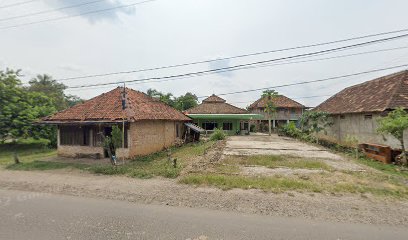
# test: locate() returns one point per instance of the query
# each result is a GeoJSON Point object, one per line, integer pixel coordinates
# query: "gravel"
{"type": "Point", "coordinates": [341, 208]}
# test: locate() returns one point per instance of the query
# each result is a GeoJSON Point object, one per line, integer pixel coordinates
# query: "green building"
{"type": "Point", "coordinates": [214, 112]}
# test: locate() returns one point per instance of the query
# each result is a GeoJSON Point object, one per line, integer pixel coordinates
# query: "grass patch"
{"type": "Point", "coordinates": [282, 184]}
{"type": "Point", "coordinates": [27, 151]}
{"type": "Point", "coordinates": [155, 164]}
{"type": "Point", "coordinates": [274, 184]}
{"type": "Point", "coordinates": [45, 165]}
{"type": "Point", "coordinates": [385, 168]}
{"type": "Point", "coordinates": [275, 161]}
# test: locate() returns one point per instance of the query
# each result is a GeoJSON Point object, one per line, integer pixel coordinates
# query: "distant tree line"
{"type": "Point", "coordinates": [181, 103]}
{"type": "Point", "coordinates": [22, 105]}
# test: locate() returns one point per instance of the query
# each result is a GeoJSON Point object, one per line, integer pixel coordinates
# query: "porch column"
{"type": "Point", "coordinates": [287, 121]}
{"type": "Point", "coordinates": [273, 123]}
{"type": "Point", "coordinates": [91, 144]}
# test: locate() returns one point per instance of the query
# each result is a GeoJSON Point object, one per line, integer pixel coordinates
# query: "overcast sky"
{"type": "Point", "coordinates": [166, 32]}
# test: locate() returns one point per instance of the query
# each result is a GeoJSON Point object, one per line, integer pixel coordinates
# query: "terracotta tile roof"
{"type": "Point", "coordinates": [215, 105]}
{"type": "Point", "coordinates": [213, 99]}
{"type": "Point", "coordinates": [388, 92]}
{"type": "Point", "coordinates": [279, 101]}
{"type": "Point", "coordinates": [108, 107]}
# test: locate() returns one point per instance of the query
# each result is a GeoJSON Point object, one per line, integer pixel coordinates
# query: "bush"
{"type": "Point", "coordinates": [218, 134]}
{"type": "Point", "coordinates": [291, 130]}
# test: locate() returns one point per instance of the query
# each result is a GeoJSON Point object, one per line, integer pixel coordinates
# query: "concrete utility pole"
{"type": "Point", "coordinates": [123, 121]}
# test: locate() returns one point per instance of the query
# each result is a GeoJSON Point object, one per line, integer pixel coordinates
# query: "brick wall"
{"type": "Point", "coordinates": [150, 136]}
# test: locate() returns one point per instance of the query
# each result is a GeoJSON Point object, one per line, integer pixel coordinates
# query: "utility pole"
{"type": "Point", "coordinates": [123, 121]}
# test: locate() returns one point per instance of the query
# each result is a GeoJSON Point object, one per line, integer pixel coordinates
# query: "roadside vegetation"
{"type": "Point", "coordinates": [27, 150]}
{"type": "Point", "coordinates": [156, 164]}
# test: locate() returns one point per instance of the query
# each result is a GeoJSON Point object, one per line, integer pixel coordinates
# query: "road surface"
{"type": "Point", "coordinates": [30, 215]}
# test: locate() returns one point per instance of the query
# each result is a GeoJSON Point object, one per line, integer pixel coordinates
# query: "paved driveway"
{"type": "Point", "coordinates": [263, 144]}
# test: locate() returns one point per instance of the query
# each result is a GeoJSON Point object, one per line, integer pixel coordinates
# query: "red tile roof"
{"type": "Point", "coordinates": [107, 107]}
{"type": "Point", "coordinates": [388, 92]}
{"type": "Point", "coordinates": [215, 105]}
{"type": "Point", "coordinates": [279, 101]}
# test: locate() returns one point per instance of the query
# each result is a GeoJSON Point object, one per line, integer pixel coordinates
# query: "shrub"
{"type": "Point", "coordinates": [218, 134]}
{"type": "Point", "coordinates": [291, 130]}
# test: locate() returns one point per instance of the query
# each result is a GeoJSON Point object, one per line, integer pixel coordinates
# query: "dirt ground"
{"type": "Point", "coordinates": [341, 208]}
{"type": "Point", "coordinates": [263, 144]}
{"type": "Point", "coordinates": [357, 208]}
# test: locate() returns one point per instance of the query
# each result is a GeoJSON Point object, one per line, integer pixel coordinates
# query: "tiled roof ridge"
{"type": "Point", "coordinates": [396, 89]}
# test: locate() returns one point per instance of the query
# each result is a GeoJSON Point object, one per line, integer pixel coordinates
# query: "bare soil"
{"type": "Point", "coordinates": [342, 208]}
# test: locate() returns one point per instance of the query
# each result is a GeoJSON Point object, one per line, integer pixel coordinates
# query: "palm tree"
{"type": "Point", "coordinates": [270, 107]}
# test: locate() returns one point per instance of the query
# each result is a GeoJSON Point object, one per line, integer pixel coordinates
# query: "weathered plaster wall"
{"type": "Point", "coordinates": [364, 129]}
{"type": "Point", "coordinates": [73, 151]}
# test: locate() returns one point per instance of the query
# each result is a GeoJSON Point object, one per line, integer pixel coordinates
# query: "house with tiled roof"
{"type": "Point", "coordinates": [356, 109]}
{"type": "Point", "coordinates": [286, 110]}
{"type": "Point", "coordinates": [215, 112]}
{"type": "Point", "coordinates": [149, 124]}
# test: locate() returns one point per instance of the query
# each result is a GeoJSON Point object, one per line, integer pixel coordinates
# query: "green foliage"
{"type": "Point", "coordinates": [270, 107]}
{"type": "Point", "coordinates": [116, 136]}
{"type": "Point", "coordinates": [186, 101]}
{"type": "Point", "coordinates": [394, 123]}
{"type": "Point", "coordinates": [181, 103]}
{"type": "Point", "coordinates": [218, 134]}
{"type": "Point", "coordinates": [27, 149]}
{"type": "Point", "coordinates": [315, 121]}
{"type": "Point", "coordinates": [50, 88]}
{"type": "Point", "coordinates": [22, 106]}
{"type": "Point", "coordinates": [291, 130]}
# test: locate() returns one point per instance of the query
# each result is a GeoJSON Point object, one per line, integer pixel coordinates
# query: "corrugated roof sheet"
{"type": "Point", "coordinates": [388, 92]}
{"type": "Point", "coordinates": [108, 107]}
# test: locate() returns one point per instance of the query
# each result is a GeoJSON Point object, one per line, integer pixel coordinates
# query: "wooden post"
{"type": "Point", "coordinates": [123, 123]}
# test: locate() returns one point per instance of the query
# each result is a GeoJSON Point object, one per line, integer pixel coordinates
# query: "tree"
{"type": "Point", "coordinates": [270, 107]}
{"type": "Point", "coordinates": [73, 100]}
{"type": "Point", "coordinates": [395, 123]}
{"type": "Point", "coordinates": [21, 108]}
{"type": "Point", "coordinates": [51, 88]}
{"type": "Point", "coordinates": [186, 101]}
{"type": "Point", "coordinates": [314, 122]}
{"type": "Point", "coordinates": [181, 103]}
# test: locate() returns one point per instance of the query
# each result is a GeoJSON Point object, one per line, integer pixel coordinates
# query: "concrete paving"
{"type": "Point", "coordinates": [30, 215]}
{"type": "Point", "coordinates": [263, 144]}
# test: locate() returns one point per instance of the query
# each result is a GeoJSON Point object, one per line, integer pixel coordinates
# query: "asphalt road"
{"type": "Point", "coordinates": [29, 215]}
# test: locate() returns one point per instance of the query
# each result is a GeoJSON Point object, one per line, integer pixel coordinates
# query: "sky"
{"type": "Point", "coordinates": [52, 37]}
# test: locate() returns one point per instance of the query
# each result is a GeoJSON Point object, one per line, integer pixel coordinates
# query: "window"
{"type": "Point", "coordinates": [292, 111]}
{"type": "Point", "coordinates": [342, 117]}
{"type": "Point", "coordinates": [74, 135]}
{"type": "Point", "coordinates": [209, 125]}
{"type": "Point", "coordinates": [227, 126]}
{"type": "Point", "coordinates": [177, 130]}
{"type": "Point", "coordinates": [368, 116]}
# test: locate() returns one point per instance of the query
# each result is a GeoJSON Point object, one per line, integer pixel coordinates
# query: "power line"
{"type": "Point", "coordinates": [250, 67]}
{"type": "Point", "coordinates": [316, 96]}
{"type": "Point", "coordinates": [48, 11]}
{"type": "Point", "coordinates": [233, 57]}
{"type": "Point", "coordinates": [17, 4]}
{"type": "Point", "coordinates": [232, 68]}
{"type": "Point", "coordinates": [313, 81]}
{"type": "Point", "coordinates": [77, 15]}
